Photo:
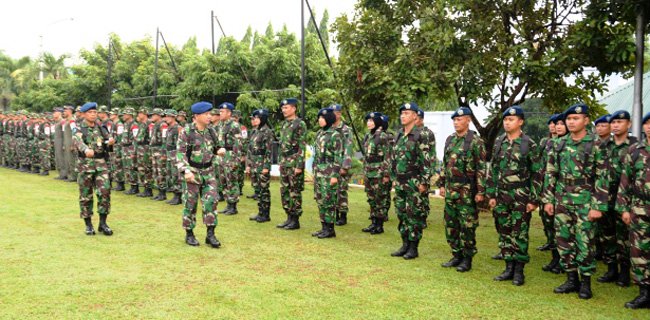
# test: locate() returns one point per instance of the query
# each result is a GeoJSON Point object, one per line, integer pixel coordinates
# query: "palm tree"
{"type": "Point", "coordinates": [54, 67]}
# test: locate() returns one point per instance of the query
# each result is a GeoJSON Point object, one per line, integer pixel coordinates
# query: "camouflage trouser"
{"type": "Point", "coordinates": [640, 244]}
{"type": "Point", "coordinates": [128, 165]}
{"type": "Point", "coordinates": [263, 181]}
{"type": "Point", "coordinates": [461, 221]}
{"type": "Point", "coordinates": [513, 223]}
{"type": "Point", "coordinates": [291, 187]}
{"type": "Point", "coordinates": [241, 174]}
{"type": "Point", "coordinates": [206, 190]}
{"type": "Point", "coordinates": [52, 165]}
{"type": "Point", "coordinates": [385, 204]}
{"type": "Point", "coordinates": [229, 179]}
{"type": "Point", "coordinates": [159, 166]}
{"type": "Point", "coordinates": [22, 152]}
{"type": "Point", "coordinates": [255, 179]}
{"type": "Point", "coordinates": [117, 172]}
{"type": "Point", "coordinates": [575, 238]}
{"type": "Point", "coordinates": [72, 165]}
{"type": "Point", "coordinates": [549, 226]}
{"type": "Point", "coordinates": [144, 165]}
{"type": "Point", "coordinates": [13, 147]}
{"type": "Point", "coordinates": [218, 173]}
{"type": "Point", "coordinates": [44, 150]}
{"type": "Point", "coordinates": [409, 203]}
{"type": "Point", "coordinates": [100, 184]}
{"type": "Point", "coordinates": [342, 195]}
{"type": "Point", "coordinates": [4, 158]}
{"type": "Point", "coordinates": [377, 192]}
{"type": "Point", "coordinates": [615, 239]}
{"type": "Point", "coordinates": [173, 182]}
{"type": "Point", "coordinates": [326, 196]}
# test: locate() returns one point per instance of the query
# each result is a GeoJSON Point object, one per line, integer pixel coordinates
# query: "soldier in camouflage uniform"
{"type": "Point", "coordinates": [181, 118]}
{"type": "Point", "coordinates": [215, 124]}
{"type": "Point", "coordinates": [259, 165]}
{"type": "Point", "coordinates": [3, 121]}
{"type": "Point", "coordinates": [57, 120]}
{"type": "Point", "coordinates": [143, 153]}
{"type": "Point", "coordinates": [633, 203]}
{"type": "Point", "coordinates": [30, 160]}
{"type": "Point", "coordinates": [603, 131]}
{"type": "Point", "coordinates": [513, 188]}
{"type": "Point", "coordinates": [547, 221]}
{"type": "Point", "coordinates": [159, 154]}
{"type": "Point", "coordinates": [613, 232]}
{"type": "Point", "coordinates": [92, 143]}
{"type": "Point", "coordinates": [568, 196]}
{"type": "Point", "coordinates": [115, 157]}
{"type": "Point", "coordinates": [376, 167]}
{"type": "Point", "coordinates": [44, 145]}
{"type": "Point", "coordinates": [343, 185]}
{"type": "Point", "coordinates": [386, 188]}
{"type": "Point", "coordinates": [129, 156]}
{"type": "Point", "coordinates": [429, 138]}
{"type": "Point", "coordinates": [173, 177]}
{"type": "Point", "coordinates": [241, 172]}
{"type": "Point", "coordinates": [249, 160]}
{"type": "Point", "coordinates": [329, 153]}
{"type": "Point", "coordinates": [411, 174]}
{"type": "Point", "coordinates": [196, 148]}
{"type": "Point", "coordinates": [69, 153]}
{"type": "Point", "coordinates": [462, 184]}
{"type": "Point", "coordinates": [291, 157]}
{"type": "Point", "coordinates": [229, 154]}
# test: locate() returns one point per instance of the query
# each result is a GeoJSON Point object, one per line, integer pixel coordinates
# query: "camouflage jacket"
{"type": "Point", "coordinates": [261, 144]}
{"type": "Point", "coordinates": [410, 158]}
{"type": "Point", "coordinates": [229, 137]}
{"type": "Point", "coordinates": [130, 130]}
{"type": "Point", "coordinates": [172, 137]}
{"type": "Point", "coordinates": [571, 171]}
{"type": "Point", "coordinates": [608, 177]}
{"type": "Point", "coordinates": [196, 149]}
{"type": "Point", "coordinates": [142, 133]}
{"type": "Point", "coordinates": [158, 134]}
{"type": "Point", "coordinates": [430, 139]}
{"type": "Point", "coordinates": [292, 144]}
{"type": "Point", "coordinates": [94, 138]}
{"type": "Point", "coordinates": [377, 154]}
{"type": "Point", "coordinates": [516, 170]}
{"type": "Point", "coordinates": [329, 153]}
{"type": "Point", "coordinates": [463, 166]}
{"type": "Point", "coordinates": [346, 133]}
{"type": "Point", "coordinates": [634, 189]}
{"type": "Point", "coordinates": [118, 132]}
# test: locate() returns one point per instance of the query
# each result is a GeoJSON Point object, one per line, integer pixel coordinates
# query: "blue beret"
{"type": "Point", "coordinates": [201, 107]}
{"type": "Point", "coordinates": [578, 108]}
{"type": "Point", "coordinates": [292, 101]}
{"type": "Point", "coordinates": [227, 105]}
{"type": "Point", "coordinates": [88, 106]}
{"type": "Point", "coordinates": [260, 113]}
{"type": "Point", "coordinates": [336, 107]}
{"type": "Point", "coordinates": [462, 111]}
{"type": "Point", "coordinates": [645, 118]}
{"type": "Point", "coordinates": [373, 114]}
{"type": "Point", "coordinates": [552, 118]}
{"type": "Point", "coordinates": [514, 111]}
{"type": "Point", "coordinates": [421, 113]}
{"type": "Point", "coordinates": [603, 119]}
{"type": "Point", "coordinates": [409, 106]}
{"type": "Point", "coordinates": [620, 114]}
{"type": "Point", "coordinates": [325, 111]}
{"type": "Point", "coordinates": [385, 118]}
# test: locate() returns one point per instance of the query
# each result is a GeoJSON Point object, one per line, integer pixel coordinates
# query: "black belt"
{"type": "Point", "coordinates": [95, 156]}
{"type": "Point", "coordinates": [200, 165]}
{"type": "Point", "coordinates": [404, 177]}
{"type": "Point", "coordinates": [457, 179]}
{"type": "Point", "coordinates": [374, 159]}
{"type": "Point", "coordinates": [516, 185]}
{"type": "Point", "coordinates": [156, 145]}
{"type": "Point", "coordinates": [291, 152]}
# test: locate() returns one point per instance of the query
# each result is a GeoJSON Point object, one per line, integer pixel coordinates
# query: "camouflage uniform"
{"type": "Point", "coordinates": [159, 156]}
{"type": "Point", "coordinates": [173, 176]}
{"type": "Point", "coordinates": [229, 138]}
{"type": "Point", "coordinates": [129, 156]}
{"type": "Point", "coordinates": [291, 156]}
{"type": "Point", "coordinates": [546, 149]}
{"type": "Point", "coordinates": [59, 150]}
{"type": "Point", "coordinates": [241, 171]}
{"type": "Point", "coordinates": [70, 154]}
{"type": "Point", "coordinates": [343, 185]}
{"type": "Point", "coordinates": [116, 157]}
{"type": "Point", "coordinates": [44, 146]}
{"type": "Point", "coordinates": [251, 164]}
{"type": "Point", "coordinates": [430, 139]}
{"type": "Point", "coordinates": [143, 156]}
{"type": "Point", "coordinates": [261, 144]}
{"type": "Point", "coordinates": [377, 164]}
{"type": "Point", "coordinates": [328, 159]}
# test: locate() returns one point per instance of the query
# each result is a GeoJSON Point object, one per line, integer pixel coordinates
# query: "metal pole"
{"type": "Point", "coordinates": [109, 69]}
{"type": "Point", "coordinates": [302, 58]}
{"type": "Point", "coordinates": [212, 24]}
{"type": "Point", "coordinates": [155, 71]}
{"type": "Point", "coordinates": [637, 107]}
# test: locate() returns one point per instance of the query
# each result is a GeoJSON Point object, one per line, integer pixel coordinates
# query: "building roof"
{"type": "Point", "coordinates": [622, 97]}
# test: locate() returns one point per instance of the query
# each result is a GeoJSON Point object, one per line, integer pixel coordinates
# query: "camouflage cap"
{"type": "Point", "coordinates": [128, 110]}
{"type": "Point", "coordinates": [182, 113]}
{"type": "Point", "coordinates": [170, 112]}
{"type": "Point", "coordinates": [236, 113]}
{"type": "Point", "coordinates": [114, 111]}
{"type": "Point", "coordinates": [144, 110]}
{"type": "Point", "coordinates": [77, 109]}
{"type": "Point", "coordinates": [157, 111]}
{"type": "Point", "coordinates": [215, 112]}
{"type": "Point", "coordinates": [103, 109]}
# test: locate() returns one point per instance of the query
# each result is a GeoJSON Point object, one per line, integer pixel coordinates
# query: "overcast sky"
{"type": "Point", "coordinates": [66, 26]}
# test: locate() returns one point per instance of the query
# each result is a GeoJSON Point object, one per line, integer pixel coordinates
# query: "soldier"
{"type": "Point", "coordinates": [30, 160]}
{"type": "Point", "coordinates": [603, 131]}
{"type": "Point", "coordinates": [173, 177]}
{"type": "Point", "coordinates": [343, 185]}
{"type": "Point", "coordinates": [57, 120]}
{"type": "Point", "coordinates": [569, 181]}
{"type": "Point", "coordinates": [430, 139]}
{"type": "Point", "coordinates": [129, 156]}
{"type": "Point", "coordinates": [291, 157]}
{"type": "Point", "coordinates": [462, 184]}
{"type": "Point", "coordinates": [44, 145]}
{"type": "Point", "coordinates": [68, 125]}
{"type": "Point", "coordinates": [92, 143]}
{"type": "Point", "coordinates": [241, 174]}
{"type": "Point", "coordinates": [117, 131]}
{"type": "Point", "coordinates": [544, 144]}
{"type": "Point", "coordinates": [614, 233]}
{"type": "Point", "coordinates": [141, 139]}
{"type": "Point", "coordinates": [215, 124]}
{"type": "Point", "coordinates": [250, 160]}
{"type": "Point", "coordinates": [633, 202]}
{"type": "Point", "coordinates": [196, 148]}
{"type": "Point", "coordinates": [513, 188]}
{"type": "Point", "coordinates": [181, 118]}
{"type": "Point", "coordinates": [229, 155]}
{"type": "Point", "coordinates": [377, 171]}
{"type": "Point", "coordinates": [259, 166]}
{"type": "Point", "coordinates": [159, 154]}
{"type": "Point", "coordinates": [386, 188]}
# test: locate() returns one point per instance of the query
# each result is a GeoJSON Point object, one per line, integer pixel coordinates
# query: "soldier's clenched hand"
{"type": "Point", "coordinates": [111, 141]}
{"type": "Point", "coordinates": [627, 219]}
{"type": "Point", "coordinates": [442, 191]}
{"type": "Point", "coordinates": [423, 188]}
{"type": "Point", "coordinates": [334, 181]}
{"type": "Point", "coordinates": [189, 177]}
{"type": "Point", "coordinates": [221, 152]}
{"type": "Point", "coordinates": [297, 171]}
{"type": "Point", "coordinates": [548, 208]}
{"type": "Point", "coordinates": [594, 215]}
{"type": "Point", "coordinates": [531, 207]}
{"type": "Point", "coordinates": [89, 153]}
{"type": "Point", "coordinates": [492, 203]}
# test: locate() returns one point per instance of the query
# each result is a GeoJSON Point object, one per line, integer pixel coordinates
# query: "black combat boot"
{"type": "Point", "coordinates": [571, 285]}
{"type": "Point", "coordinates": [508, 273]}
{"type": "Point", "coordinates": [498, 256]}
{"type": "Point", "coordinates": [142, 194]}
{"type": "Point", "coordinates": [370, 227]}
{"type": "Point", "coordinates": [23, 169]}
{"type": "Point", "coordinates": [402, 250]}
{"type": "Point", "coordinates": [465, 265]}
{"type": "Point", "coordinates": [210, 239]}
{"type": "Point", "coordinates": [255, 217]}
{"type": "Point", "coordinates": [454, 261]}
{"type": "Point", "coordinates": [294, 224]}
{"type": "Point", "coordinates": [519, 278]}
{"type": "Point", "coordinates": [624, 276]}
{"type": "Point", "coordinates": [379, 227]}
{"type": "Point", "coordinates": [190, 239]}
{"type": "Point", "coordinates": [555, 261]}
{"type": "Point", "coordinates": [642, 300]}
{"type": "Point", "coordinates": [232, 209]}
{"type": "Point", "coordinates": [545, 247]}
{"type": "Point", "coordinates": [176, 200]}
{"type": "Point", "coordinates": [585, 288]}
{"type": "Point", "coordinates": [133, 190]}
{"type": "Point", "coordinates": [323, 226]}
{"type": "Point", "coordinates": [119, 186]}
{"type": "Point", "coordinates": [328, 232]}
{"type": "Point", "coordinates": [611, 275]}
{"type": "Point", "coordinates": [265, 216]}
{"type": "Point", "coordinates": [162, 195]}
{"type": "Point", "coordinates": [103, 227]}
{"type": "Point", "coordinates": [45, 173]}
{"type": "Point", "coordinates": [90, 230]}
{"type": "Point", "coordinates": [343, 219]}
{"type": "Point", "coordinates": [412, 251]}
{"type": "Point", "coordinates": [220, 197]}
{"type": "Point", "coordinates": [286, 222]}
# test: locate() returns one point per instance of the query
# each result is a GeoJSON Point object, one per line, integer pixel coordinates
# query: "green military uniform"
{"type": "Point", "coordinates": [116, 157]}
{"type": "Point", "coordinates": [129, 155]}
{"type": "Point", "coordinates": [260, 146]}
{"type": "Point", "coordinates": [141, 139]}
{"type": "Point", "coordinates": [159, 155]}
{"type": "Point", "coordinates": [343, 185]}
{"type": "Point", "coordinates": [173, 176]}
{"type": "Point", "coordinates": [229, 138]}
{"type": "Point", "coordinates": [376, 165]}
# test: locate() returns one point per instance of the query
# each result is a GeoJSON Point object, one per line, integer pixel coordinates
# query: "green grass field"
{"type": "Point", "coordinates": [50, 269]}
